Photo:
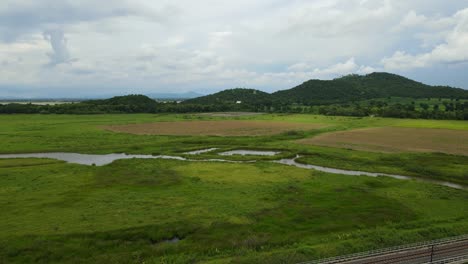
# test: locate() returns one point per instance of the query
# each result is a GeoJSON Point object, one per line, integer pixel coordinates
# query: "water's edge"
{"type": "Point", "coordinates": [293, 162]}
{"type": "Point", "coordinates": [101, 160]}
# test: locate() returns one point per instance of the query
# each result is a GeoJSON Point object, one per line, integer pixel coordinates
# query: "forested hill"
{"type": "Point", "coordinates": [133, 103]}
{"type": "Point", "coordinates": [341, 90]}
{"type": "Point", "coordinates": [132, 99]}
{"type": "Point", "coordinates": [376, 94]}
{"type": "Point", "coordinates": [232, 96]}
{"type": "Point", "coordinates": [364, 87]}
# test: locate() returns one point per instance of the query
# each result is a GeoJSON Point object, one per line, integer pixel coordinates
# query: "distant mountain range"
{"type": "Point", "coordinates": [161, 96]}
{"type": "Point", "coordinates": [313, 92]}
{"type": "Point", "coordinates": [375, 94]}
{"type": "Point", "coordinates": [344, 89]}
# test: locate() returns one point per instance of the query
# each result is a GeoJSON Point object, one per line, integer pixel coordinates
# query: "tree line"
{"type": "Point", "coordinates": [445, 110]}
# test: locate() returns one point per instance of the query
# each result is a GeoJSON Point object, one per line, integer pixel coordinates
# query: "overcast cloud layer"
{"type": "Point", "coordinates": [68, 48]}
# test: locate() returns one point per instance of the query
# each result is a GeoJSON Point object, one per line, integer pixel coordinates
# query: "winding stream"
{"type": "Point", "coordinates": [200, 151]}
{"type": "Point", "coordinates": [104, 159]}
{"type": "Point", "coordinates": [244, 152]}
{"type": "Point", "coordinates": [293, 162]}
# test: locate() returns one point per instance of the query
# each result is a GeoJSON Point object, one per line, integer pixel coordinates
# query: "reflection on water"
{"type": "Point", "coordinates": [87, 159]}
{"type": "Point", "coordinates": [201, 151]}
{"type": "Point", "coordinates": [104, 159]}
{"type": "Point", "coordinates": [244, 152]}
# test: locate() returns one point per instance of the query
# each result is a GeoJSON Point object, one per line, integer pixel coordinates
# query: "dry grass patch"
{"type": "Point", "coordinates": [396, 139]}
{"type": "Point", "coordinates": [213, 128]}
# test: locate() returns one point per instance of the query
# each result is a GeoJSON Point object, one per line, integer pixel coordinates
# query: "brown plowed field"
{"type": "Point", "coordinates": [213, 128]}
{"type": "Point", "coordinates": [396, 139]}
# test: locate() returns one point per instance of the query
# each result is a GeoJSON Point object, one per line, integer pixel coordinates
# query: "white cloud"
{"type": "Point", "coordinates": [453, 50]}
{"type": "Point", "coordinates": [303, 71]}
{"type": "Point", "coordinates": [141, 45]}
{"type": "Point", "coordinates": [412, 20]}
{"type": "Point", "coordinates": [338, 69]}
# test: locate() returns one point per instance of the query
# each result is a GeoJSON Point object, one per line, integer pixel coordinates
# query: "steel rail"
{"type": "Point", "coordinates": [394, 250]}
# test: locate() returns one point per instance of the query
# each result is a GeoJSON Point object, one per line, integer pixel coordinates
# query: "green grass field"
{"type": "Point", "coordinates": [128, 211]}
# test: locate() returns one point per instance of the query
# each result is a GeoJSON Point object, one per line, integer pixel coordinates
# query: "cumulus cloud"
{"type": "Point", "coordinates": [412, 19]}
{"type": "Point", "coordinates": [453, 50]}
{"type": "Point", "coordinates": [184, 45]}
{"type": "Point", "coordinates": [343, 68]}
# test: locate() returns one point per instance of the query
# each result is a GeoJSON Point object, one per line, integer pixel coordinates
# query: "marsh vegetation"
{"type": "Point", "coordinates": [175, 211]}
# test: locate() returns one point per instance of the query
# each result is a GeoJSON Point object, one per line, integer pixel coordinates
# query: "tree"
{"type": "Point", "coordinates": [424, 106]}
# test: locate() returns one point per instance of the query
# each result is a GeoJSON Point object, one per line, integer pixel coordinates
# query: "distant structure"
{"type": "Point", "coordinates": [238, 102]}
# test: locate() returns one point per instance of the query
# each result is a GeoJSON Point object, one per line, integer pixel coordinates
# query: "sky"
{"type": "Point", "coordinates": [86, 48]}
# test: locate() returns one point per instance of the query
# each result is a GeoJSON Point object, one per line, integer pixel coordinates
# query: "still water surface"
{"type": "Point", "coordinates": [200, 151]}
{"type": "Point", "coordinates": [244, 152]}
{"type": "Point", "coordinates": [104, 159]}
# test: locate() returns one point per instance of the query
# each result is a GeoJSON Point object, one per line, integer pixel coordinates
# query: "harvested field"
{"type": "Point", "coordinates": [213, 128]}
{"type": "Point", "coordinates": [396, 139]}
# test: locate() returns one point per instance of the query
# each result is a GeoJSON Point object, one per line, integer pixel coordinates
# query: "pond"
{"type": "Point", "coordinates": [87, 159]}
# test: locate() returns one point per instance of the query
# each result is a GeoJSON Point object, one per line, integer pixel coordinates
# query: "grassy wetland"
{"type": "Point", "coordinates": [174, 211]}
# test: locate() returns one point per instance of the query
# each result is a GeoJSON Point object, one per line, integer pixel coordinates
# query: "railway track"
{"type": "Point", "coordinates": [451, 250]}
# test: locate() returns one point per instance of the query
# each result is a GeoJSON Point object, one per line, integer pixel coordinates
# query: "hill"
{"type": "Point", "coordinates": [133, 103]}
{"type": "Point", "coordinates": [231, 96]}
{"type": "Point", "coordinates": [364, 87]}
{"type": "Point", "coordinates": [133, 99]}
{"type": "Point", "coordinates": [341, 90]}
{"type": "Point", "coordinates": [376, 94]}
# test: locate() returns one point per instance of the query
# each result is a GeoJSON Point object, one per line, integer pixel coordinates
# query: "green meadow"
{"type": "Point", "coordinates": [169, 211]}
